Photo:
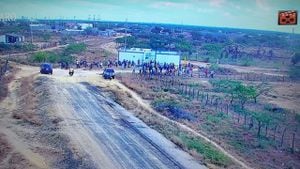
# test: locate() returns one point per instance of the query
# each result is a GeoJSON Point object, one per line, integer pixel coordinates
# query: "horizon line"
{"type": "Point", "coordinates": [161, 23]}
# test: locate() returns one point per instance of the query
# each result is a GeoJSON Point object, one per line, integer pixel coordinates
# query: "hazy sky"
{"type": "Point", "coordinates": [253, 14]}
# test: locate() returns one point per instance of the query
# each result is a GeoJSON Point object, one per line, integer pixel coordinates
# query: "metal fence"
{"type": "Point", "coordinates": [282, 135]}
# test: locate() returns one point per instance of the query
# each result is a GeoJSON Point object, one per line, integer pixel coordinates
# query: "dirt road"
{"type": "Point", "coordinates": [39, 50]}
{"type": "Point", "coordinates": [57, 121]}
{"type": "Point", "coordinates": [108, 134]}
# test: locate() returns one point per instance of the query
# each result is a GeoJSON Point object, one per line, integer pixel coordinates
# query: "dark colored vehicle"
{"type": "Point", "coordinates": [46, 68]}
{"type": "Point", "coordinates": [108, 73]}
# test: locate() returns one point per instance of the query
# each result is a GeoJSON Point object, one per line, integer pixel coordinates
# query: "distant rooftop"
{"type": "Point", "coordinates": [142, 50]}
{"type": "Point", "coordinates": [135, 50]}
{"type": "Point", "coordinates": [37, 24]}
{"type": "Point", "coordinates": [13, 34]}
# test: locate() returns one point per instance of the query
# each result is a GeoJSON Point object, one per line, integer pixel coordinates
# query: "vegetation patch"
{"type": "Point", "coordinates": [16, 48]}
{"type": "Point", "coordinates": [216, 118]}
{"type": "Point", "coordinates": [294, 72]}
{"type": "Point", "coordinates": [75, 48]}
{"type": "Point", "coordinates": [229, 112]}
{"type": "Point", "coordinates": [206, 150]}
{"type": "Point", "coordinates": [67, 55]}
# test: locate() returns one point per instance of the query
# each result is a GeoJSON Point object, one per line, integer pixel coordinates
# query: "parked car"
{"type": "Point", "coordinates": [108, 73]}
{"type": "Point", "coordinates": [46, 68]}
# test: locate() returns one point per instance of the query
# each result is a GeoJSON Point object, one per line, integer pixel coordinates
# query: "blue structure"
{"type": "Point", "coordinates": [146, 55]}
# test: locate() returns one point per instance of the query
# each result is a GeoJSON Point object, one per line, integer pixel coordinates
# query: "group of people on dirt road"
{"type": "Point", "coordinates": [150, 68]}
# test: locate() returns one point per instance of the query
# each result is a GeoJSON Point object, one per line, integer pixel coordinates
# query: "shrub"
{"type": "Point", "coordinates": [179, 113]}
{"type": "Point", "coordinates": [49, 57]}
{"type": "Point", "coordinates": [53, 58]}
{"type": "Point", "coordinates": [162, 104]}
{"type": "Point", "coordinates": [173, 107]}
{"type": "Point", "coordinates": [294, 72]}
{"type": "Point", "coordinates": [246, 62]}
{"type": "Point", "coordinates": [66, 58]}
{"type": "Point", "coordinates": [206, 150]}
{"type": "Point", "coordinates": [17, 47]}
{"type": "Point", "coordinates": [39, 57]}
{"type": "Point", "coordinates": [28, 47]}
{"type": "Point", "coordinates": [75, 48]}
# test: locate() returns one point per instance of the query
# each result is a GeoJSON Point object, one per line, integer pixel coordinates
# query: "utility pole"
{"type": "Point", "coordinates": [31, 32]}
{"type": "Point", "coordinates": [125, 33]}
{"type": "Point", "coordinates": [181, 26]}
{"type": "Point", "coordinates": [94, 21]}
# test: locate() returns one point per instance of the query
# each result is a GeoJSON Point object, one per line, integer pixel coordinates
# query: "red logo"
{"type": "Point", "coordinates": [287, 17]}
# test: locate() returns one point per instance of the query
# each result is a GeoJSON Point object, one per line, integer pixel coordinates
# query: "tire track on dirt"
{"type": "Point", "coordinates": [119, 141]}
{"type": "Point", "coordinates": [116, 139]}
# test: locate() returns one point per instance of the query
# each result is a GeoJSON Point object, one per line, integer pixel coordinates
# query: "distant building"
{"type": "Point", "coordinates": [107, 33]}
{"type": "Point", "coordinates": [72, 32]}
{"type": "Point", "coordinates": [11, 38]}
{"type": "Point", "coordinates": [167, 57]}
{"type": "Point", "coordinates": [84, 26]}
{"type": "Point", "coordinates": [146, 55]}
{"type": "Point", "coordinates": [40, 27]}
{"type": "Point", "coordinates": [123, 30]}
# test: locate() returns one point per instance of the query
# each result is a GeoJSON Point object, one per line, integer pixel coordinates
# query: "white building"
{"type": "Point", "coordinates": [107, 33]}
{"type": "Point", "coordinates": [168, 57]}
{"type": "Point", "coordinates": [72, 32]}
{"type": "Point", "coordinates": [84, 26]}
{"type": "Point", "coordinates": [11, 38]}
{"type": "Point", "coordinates": [146, 55]}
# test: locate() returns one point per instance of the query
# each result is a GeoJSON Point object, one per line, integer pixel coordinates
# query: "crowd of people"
{"type": "Point", "coordinates": [171, 69]}
{"type": "Point", "coordinates": [150, 68]}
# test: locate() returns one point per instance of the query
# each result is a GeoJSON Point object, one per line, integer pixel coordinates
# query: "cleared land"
{"type": "Point", "coordinates": [45, 118]}
{"type": "Point", "coordinates": [58, 122]}
{"type": "Point", "coordinates": [183, 103]}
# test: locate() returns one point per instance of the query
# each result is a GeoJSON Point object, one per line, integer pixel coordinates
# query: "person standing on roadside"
{"type": "Point", "coordinates": [77, 64]}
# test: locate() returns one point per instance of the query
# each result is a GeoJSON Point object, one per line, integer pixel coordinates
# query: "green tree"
{"type": "Point", "coordinates": [213, 50]}
{"type": "Point", "coordinates": [227, 86]}
{"type": "Point", "coordinates": [184, 46]}
{"type": "Point", "coordinates": [244, 93]}
{"type": "Point", "coordinates": [262, 118]}
{"type": "Point", "coordinates": [235, 90]}
{"type": "Point", "coordinates": [260, 89]}
{"type": "Point", "coordinates": [130, 41]}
